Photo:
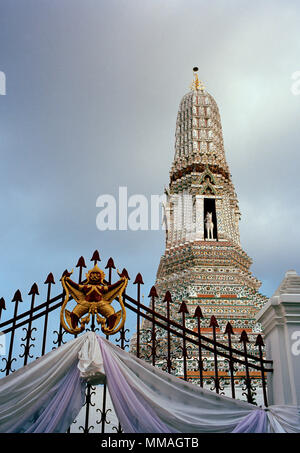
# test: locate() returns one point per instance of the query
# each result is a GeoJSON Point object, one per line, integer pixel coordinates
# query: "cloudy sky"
{"type": "Point", "coordinates": [92, 93]}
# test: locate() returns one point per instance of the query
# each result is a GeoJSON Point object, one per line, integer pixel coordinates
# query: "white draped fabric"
{"type": "Point", "coordinates": [185, 407]}
{"type": "Point", "coordinates": [25, 391]}
{"type": "Point", "coordinates": [47, 394]}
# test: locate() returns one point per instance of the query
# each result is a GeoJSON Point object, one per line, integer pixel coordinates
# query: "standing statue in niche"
{"type": "Point", "coordinates": [209, 225]}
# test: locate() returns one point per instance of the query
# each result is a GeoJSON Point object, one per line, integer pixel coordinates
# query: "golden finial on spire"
{"type": "Point", "coordinates": [197, 84]}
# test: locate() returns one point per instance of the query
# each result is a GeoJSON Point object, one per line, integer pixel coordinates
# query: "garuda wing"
{"type": "Point", "coordinates": [74, 290]}
{"type": "Point", "coordinates": [115, 290]}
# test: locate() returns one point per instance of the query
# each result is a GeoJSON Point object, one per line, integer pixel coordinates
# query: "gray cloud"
{"type": "Point", "coordinates": [93, 90]}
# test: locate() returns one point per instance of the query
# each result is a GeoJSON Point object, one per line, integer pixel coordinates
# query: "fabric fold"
{"type": "Point", "coordinates": [284, 419]}
{"type": "Point", "coordinates": [134, 413]}
{"type": "Point", "coordinates": [255, 422]}
{"type": "Point", "coordinates": [173, 405]}
{"type": "Point", "coordinates": [61, 406]}
{"type": "Point", "coordinates": [47, 394]}
{"type": "Point", "coordinates": [181, 406]}
{"type": "Point", "coordinates": [90, 362]}
{"type": "Point", "coordinates": [28, 393]}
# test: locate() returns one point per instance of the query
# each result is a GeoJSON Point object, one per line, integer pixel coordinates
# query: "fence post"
{"type": "Point", "coordinates": [280, 320]}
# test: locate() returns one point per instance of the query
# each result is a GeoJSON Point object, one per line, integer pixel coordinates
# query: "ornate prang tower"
{"type": "Point", "coordinates": [210, 270]}
{"type": "Point", "coordinates": [204, 263]}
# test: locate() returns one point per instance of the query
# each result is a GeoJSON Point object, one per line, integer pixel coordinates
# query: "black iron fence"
{"type": "Point", "coordinates": [158, 338]}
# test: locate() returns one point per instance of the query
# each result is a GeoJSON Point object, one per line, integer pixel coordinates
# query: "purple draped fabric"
{"type": "Point", "coordinates": [134, 413]}
{"type": "Point", "coordinates": [56, 410]}
{"type": "Point", "coordinates": [60, 406]}
{"type": "Point", "coordinates": [255, 422]}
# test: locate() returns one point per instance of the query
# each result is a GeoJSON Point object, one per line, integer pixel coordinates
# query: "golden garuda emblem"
{"type": "Point", "coordinates": [94, 297]}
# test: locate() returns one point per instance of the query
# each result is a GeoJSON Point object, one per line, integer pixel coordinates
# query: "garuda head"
{"type": "Point", "coordinates": [95, 276]}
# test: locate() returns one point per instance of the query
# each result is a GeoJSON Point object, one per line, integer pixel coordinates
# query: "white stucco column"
{"type": "Point", "coordinates": [280, 319]}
